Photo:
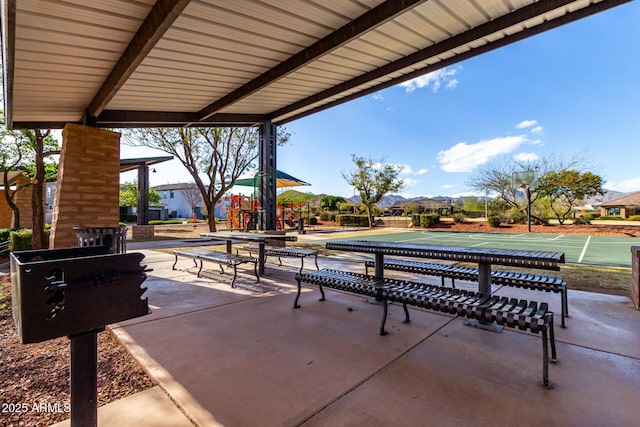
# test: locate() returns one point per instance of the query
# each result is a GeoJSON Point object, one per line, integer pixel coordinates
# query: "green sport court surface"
{"type": "Point", "coordinates": [591, 250]}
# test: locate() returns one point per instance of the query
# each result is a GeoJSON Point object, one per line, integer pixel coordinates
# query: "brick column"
{"type": "Point", "coordinates": [22, 199]}
{"type": "Point", "coordinates": [635, 276]}
{"type": "Point", "coordinates": [6, 214]}
{"type": "Point", "coordinates": [88, 187]}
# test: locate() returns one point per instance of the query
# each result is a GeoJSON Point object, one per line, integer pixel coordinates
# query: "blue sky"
{"type": "Point", "coordinates": [574, 89]}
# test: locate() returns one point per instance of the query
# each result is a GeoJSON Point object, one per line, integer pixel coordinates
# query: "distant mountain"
{"type": "Point", "coordinates": [608, 195]}
{"type": "Point", "coordinates": [388, 200]}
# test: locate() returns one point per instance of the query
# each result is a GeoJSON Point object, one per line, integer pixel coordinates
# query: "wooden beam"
{"type": "Point", "coordinates": [476, 33]}
{"type": "Point", "coordinates": [157, 22]}
{"type": "Point", "coordinates": [135, 119]}
{"type": "Point", "coordinates": [359, 26]}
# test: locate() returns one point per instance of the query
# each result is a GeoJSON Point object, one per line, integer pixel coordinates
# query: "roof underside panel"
{"type": "Point", "coordinates": [278, 60]}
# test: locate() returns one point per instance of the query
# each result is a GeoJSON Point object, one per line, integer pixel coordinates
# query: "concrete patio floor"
{"type": "Point", "coordinates": [245, 357]}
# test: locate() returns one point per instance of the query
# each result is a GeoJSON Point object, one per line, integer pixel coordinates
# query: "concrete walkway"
{"type": "Point", "coordinates": [245, 357]}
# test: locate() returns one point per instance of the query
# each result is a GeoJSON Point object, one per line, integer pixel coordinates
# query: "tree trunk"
{"type": "Point", "coordinates": [37, 195]}
{"type": "Point", "coordinates": [15, 221]}
{"type": "Point", "coordinates": [211, 215]}
{"type": "Point", "coordinates": [370, 215]}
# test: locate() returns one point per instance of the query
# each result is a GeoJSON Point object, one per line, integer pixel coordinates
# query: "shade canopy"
{"type": "Point", "coordinates": [171, 63]}
{"type": "Point", "coordinates": [252, 179]}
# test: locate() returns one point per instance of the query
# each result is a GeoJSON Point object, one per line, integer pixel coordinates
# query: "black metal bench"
{"type": "Point", "coordinates": [282, 252]}
{"type": "Point", "coordinates": [516, 279]}
{"type": "Point", "coordinates": [513, 313]}
{"type": "Point", "coordinates": [230, 260]}
{"type": "Point", "coordinates": [4, 248]}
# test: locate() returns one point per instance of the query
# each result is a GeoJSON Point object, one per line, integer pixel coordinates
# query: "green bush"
{"type": "Point", "coordinates": [361, 220]}
{"type": "Point", "coordinates": [22, 240]}
{"type": "Point", "coordinates": [166, 221]}
{"type": "Point", "coordinates": [427, 220]}
{"type": "Point", "coordinates": [415, 220]}
{"type": "Point", "coordinates": [494, 221]}
{"type": "Point", "coordinates": [517, 217]}
{"type": "Point", "coordinates": [611, 218]}
{"type": "Point", "coordinates": [634, 218]}
{"type": "Point", "coordinates": [591, 216]}
{"type": "Point", "coordinates": [324, 216]}
{"type": "Point", "coordinates": [4, 234]}
{"type": "Point", "coordinates": [581, 221]}
{"type": "Point", "coordinates": [458, 218]}
{"type": "Point", "coordinates": [313, 220]}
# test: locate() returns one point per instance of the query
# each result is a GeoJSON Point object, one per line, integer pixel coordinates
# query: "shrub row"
{"type": "Point", "coordinates": [165, 221]}
{"type": "Point", "coordinates": [494, 221]}
{"type": "Point", "coordinates": [424, 220]}
{"type": "Point", "coordinates": [361, 220]}
{"type": "Point", "coordinates": [634, 218]}
{"type": "Point", "coordinates": [20, 240]}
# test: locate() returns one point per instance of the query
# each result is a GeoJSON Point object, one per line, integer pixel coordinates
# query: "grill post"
{"type": "Point", "coordinates": [84, 379]}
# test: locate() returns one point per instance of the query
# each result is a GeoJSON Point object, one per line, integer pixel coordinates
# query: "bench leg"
{"type": "Point", "coordinates": [322, 292]}
{"type": "Point", "coordinates": [366, 269]}
{"type": "Point", "coordinates": [384, 316]}
{"type": "Point", "coordinates": [295, 303]}
{"type": "Point", "coordinates": [255, 271]}
{"type": "Point", "coordinates": [453, 283]}
{"type": "Point", "coordinates": [301, 264]}
{"type": "Point", "coordinates": [235, 274]}
{"type": "Point", "coordinates": [552, 339]}
{"type": "Point", "coordinates": [279, 260]}
{"type": "Point", "coordinates": [174, 264]}
{"type": "Point", "coordinates": [200, 270]}
{"type": "Point", "coordinates": [316, 260]}
{"type": "Point", "coordinates": [545, 359]}
{"type": "Point", "coordinates": [406, 313]}
{"type": "Point", "coordinates": [221, 270]}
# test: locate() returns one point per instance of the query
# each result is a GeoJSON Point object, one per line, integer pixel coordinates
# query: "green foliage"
{"type": "Point", "coordinates": [331, 202]}
{"type": "Point", "coordinates": [414, 208]}
{"type": "Point", "coordinates": [4, 234]}
{"type": "Point", "coordinates": [592, 216]}
{"type": "Point", "coordinates": [424, 220]}
{"type": "Point", "coordinates": [565, 188]}
{"type": "Point", "coordinates": [494, 221]}
{"type": "Point", "coordinates": [634, 218]}
{"type": "Point", "coordinates": [22, 240]}
{"type": "Point", "coordinates": [458, 218]}
{"type": "Point", "coordinates": [313, 220]}
{"type": "Point", "coordinates": [129, 195]}
{"type": "Point", "coordinates": [165, 221]}
{"type": "Point", "coordinates": [293, 196]}
{"type": "Point", "coordinates": [517, 217]}
{"type": "Point", "coordinates": [373, 180]}
{"type": "Point", "coordinates": [361, 220]}
{"type": "Point", "coordinates": [581, 221]}
{"type": "Point", "coordinates": [473, 204]}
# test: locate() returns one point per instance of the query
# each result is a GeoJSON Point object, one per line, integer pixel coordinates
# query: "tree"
{"type": "Point", "coordinates": [129, 195]}
{"type": "Point", "coordinates": [497, 178]}
{"type": "Point", "coordinates": [26, 151]}
{"type": "Point", "coordinates": [331, 202]}
{"type": "Point", "coordinates": [373, 180]}
{"type": "Point", "coordinates": [193, 197]}
{"type": "Point", "coordinates": [565, 188]}
{"type": "Point", "coordinates": [220, 154]}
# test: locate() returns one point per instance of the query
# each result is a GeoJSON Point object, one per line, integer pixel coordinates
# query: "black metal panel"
{"type": "Point", "coordinates": [267, 175]}
{"type": "Point", "coordinates": [70, 291]}
{"type": "Point", "coordinates": [143, 195]}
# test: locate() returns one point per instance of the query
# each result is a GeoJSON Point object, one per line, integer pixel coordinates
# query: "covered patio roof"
{"type": "Point", "coordinates": [215, 62]}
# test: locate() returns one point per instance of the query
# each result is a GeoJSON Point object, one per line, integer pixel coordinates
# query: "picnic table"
{"type": "Point", "coordinates": [484, 257]}
{"type": "Point", "coordinates": [260, 238]}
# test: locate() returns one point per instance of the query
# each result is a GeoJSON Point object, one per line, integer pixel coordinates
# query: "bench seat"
{"type": "Point", "coordinates": [230, 260]}
{"type": "Point", "coordinates": [515, 279]}
{"type": "Point", "coordinates": [282, 252]}
{"type": "Point", "coordinates": [521, 314]}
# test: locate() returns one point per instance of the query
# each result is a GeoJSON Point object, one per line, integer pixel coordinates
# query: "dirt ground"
{"type": "Point", "coordinates": [34, 378]}
{"type": "Point", "coordinates": [587, 230]}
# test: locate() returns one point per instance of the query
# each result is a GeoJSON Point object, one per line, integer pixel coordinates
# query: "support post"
{"type": "Point", "coordinates": [143, 194]}
{"type": "Point", "coordinates": [267, 176]}
{"type": "Point", "coordinates": [84, 379]}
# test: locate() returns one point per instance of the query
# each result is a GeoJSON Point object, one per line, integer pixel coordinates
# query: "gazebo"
{"type": "Point", "coordinates": [170, 63]}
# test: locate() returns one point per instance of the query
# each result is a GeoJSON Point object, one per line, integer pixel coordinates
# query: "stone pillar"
{"type": "Point", "coordinates": [635, 276]}
{"type": "Point", "coordinates": [88, 187]}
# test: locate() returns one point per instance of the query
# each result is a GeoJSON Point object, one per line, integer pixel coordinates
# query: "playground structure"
{"type": "Point", "coordinates": [243, 213]}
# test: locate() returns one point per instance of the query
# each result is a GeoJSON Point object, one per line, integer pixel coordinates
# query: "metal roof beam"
{"type": "Point", "coordinates": [476, 33]}
{"type": "Point", "coordinates": [364, 23]}
{"type": "Point", "coordinates": [157, 22]}
{"type": "Point", "coordinates": [138, 119]}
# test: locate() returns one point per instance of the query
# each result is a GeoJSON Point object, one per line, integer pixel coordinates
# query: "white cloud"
{"type": "Point", "coordinates": [526, 157]}
{"type": "Point", "coordinates": [377, 97]}
{"type": "Point", "coordinates": [627, 185]}
{"type": "Point", "coordinates": [410, 181]}
{"type": "Point", "coordinates": [406, 169]}
{"type": "Point", "coordinates": [537, 130]}
{"type": "Point", "coordinates": [526, 124]}
{"type": "Point", "coordinates": [434, 79]}
{"type": "Point", "coordinates": [448, 186]}
{"type": "Point", "coordinates": [464, 157]}
{"type": "Point", "coordinates": [421, 172]}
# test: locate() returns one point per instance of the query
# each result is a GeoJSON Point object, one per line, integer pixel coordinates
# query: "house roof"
{"type": "Point", "coordinates": [632, 199]}
{"type": "Point", "coordinates": [132, 164]}
{"type": "Point", "coordinates": [178, 186]}
{"type": "Point", "coordinates": [217, 62]}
